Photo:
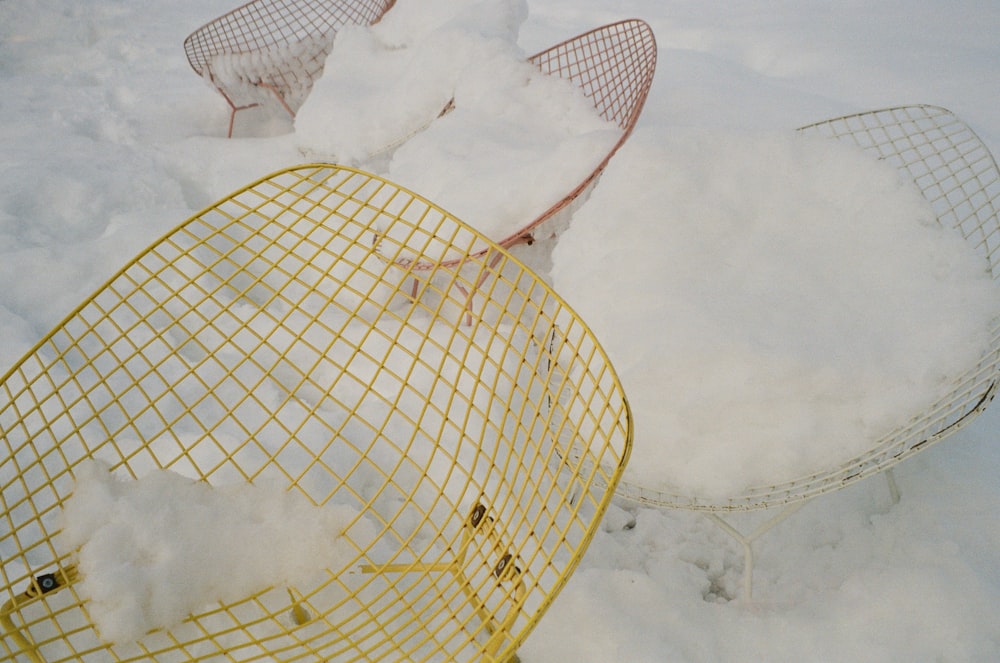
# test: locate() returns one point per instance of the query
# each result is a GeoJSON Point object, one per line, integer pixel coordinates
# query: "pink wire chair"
{"type": "Point", "coordinates": [273, 49]}
{"type": "Point", "coordinates": [614, 66]}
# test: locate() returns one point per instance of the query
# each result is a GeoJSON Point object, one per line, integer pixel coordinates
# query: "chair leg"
{"type": "Point", "coordinates": [890, 478]}
{"type": "Point", "coordinates": [281, 99]}
{"type": "Point", "coordinates": [232, 115]}
{"type": "Point", "coordinates": [232, 110]}
{"type": "Point", "coordinates": [747, 540]}
{"type": "Point", "coordinates": [493, 259]}
{"type": "Point", "coordinates": [507, 571]}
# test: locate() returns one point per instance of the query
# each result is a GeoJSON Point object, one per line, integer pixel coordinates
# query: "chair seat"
{"type": "Point", "coordinates": [958, 177]}
{"type": "Point", "coordinates": [273, 50]}
{"type": "Point", "coordinates": [264, 342]}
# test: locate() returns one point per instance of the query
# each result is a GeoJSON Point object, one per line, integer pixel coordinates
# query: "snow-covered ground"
{"type": "Point", "coordinates": [109, 140]}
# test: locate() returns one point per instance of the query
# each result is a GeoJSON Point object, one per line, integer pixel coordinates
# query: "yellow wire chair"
{"type": "Point", "coordinates": [273, 49]}
{"type": "Point", "coordinates": [958, 176]}
{"type": "Point", "coordinates": [265, 340]}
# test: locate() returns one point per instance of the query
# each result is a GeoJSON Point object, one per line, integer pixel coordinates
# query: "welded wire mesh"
{"type": "Point", "coordinates": [614, 66]}
{"type": "Point", "coordinates": [273, 50]}
{"type": "Point", "coordinates": [478, 441]}
{"type": "Point", "coordinates": [958, 176]}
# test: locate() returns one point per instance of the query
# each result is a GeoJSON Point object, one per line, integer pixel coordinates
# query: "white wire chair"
{"type": "Point", "coordinates": [958, 176]}
{"type": "Point", "coordinates": [273, 50]}
{"type": "Point", "coordinates": [263, 340]}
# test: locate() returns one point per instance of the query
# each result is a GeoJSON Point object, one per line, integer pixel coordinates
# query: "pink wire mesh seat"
{"type": "Point", "coordinates": [273, 49]}
{"type": "Point", "coordinates": [614, 66]}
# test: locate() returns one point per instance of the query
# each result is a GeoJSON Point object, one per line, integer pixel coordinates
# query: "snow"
{"type": "Point", "coordinates": [510, 126]}
{"type": "Point", "coordinates": [289, 66]}
{"type": "Point", "coordinates": [418, 52]}
{"type": "Point", "coordinates": [802, 309]}
{"type": "Point", "coordinates": [109, 140]}
{"type": "Point", "coordinates": [203, 545]}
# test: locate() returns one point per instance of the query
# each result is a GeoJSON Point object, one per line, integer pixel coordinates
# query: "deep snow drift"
{"type": "Point", "coordinates": [109, 139]}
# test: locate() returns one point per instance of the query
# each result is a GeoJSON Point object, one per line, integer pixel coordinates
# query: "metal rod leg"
{"type": "Point", "coordinates": [890, 478]}
{"type": "Point", "coordinates": [747, 540]}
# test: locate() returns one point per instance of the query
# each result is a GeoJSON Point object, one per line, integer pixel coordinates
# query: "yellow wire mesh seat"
{"type": "Point", "coordinates": [273, 50]}
{"type": "Point", "coordinates": [264, 340]}
{"type": "Point", "coordinates": [958, 176]}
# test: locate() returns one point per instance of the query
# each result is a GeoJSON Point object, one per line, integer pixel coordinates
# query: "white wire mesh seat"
{"type": "Point", "coordinates": [958, 176]}
{"type": "Point", "coordinates": [263, 340]}
{"type": "Point", "coordinates": [273, 50]}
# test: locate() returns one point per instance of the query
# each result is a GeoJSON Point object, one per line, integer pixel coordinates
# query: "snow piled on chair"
{"type": "Point", "coordinates": [804, 298]}
{"type": "Point", "coordinates": [154, 550]}
{"type": "Point", "coordinates": [286, 69]}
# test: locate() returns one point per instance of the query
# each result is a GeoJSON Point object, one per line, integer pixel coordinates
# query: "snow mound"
{"type": "Point", "coordinates": [523, 139]}
{"type": "Point", "coordinates": [773, 303]}
{"type": "Point", "coordinates": [155, 550]}
{"type": "Point", "coordinates": [385, 82]}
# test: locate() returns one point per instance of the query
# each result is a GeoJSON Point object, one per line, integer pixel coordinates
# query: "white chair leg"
{"type": "Point", "coordinates": [747, 540]}
{"type": "Point", "coordinates": [890, 478]}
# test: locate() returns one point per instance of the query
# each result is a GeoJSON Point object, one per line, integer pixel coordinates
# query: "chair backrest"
{"type": "Point", "coordinates": [958, 176]}
{"type": "Point", "coordinates": [943, 157]}
{"type": "Point", "coordinates": [613, 65]}
{"type": "Point", "coordinates": [265, 340]}
{"type": "Point", "coordinates": [263, 30]}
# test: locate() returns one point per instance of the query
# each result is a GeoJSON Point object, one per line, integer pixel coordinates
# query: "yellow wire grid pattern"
{"type": "Point", "coordinates": [479, 441]}
{"type": "Point", "coordinates": [958, 176]}
{"type": "Point", "coordinates": [273, 49]}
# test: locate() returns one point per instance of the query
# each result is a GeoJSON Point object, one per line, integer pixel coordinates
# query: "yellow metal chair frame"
{"type": "Point", "coordinates": [265, 339]}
